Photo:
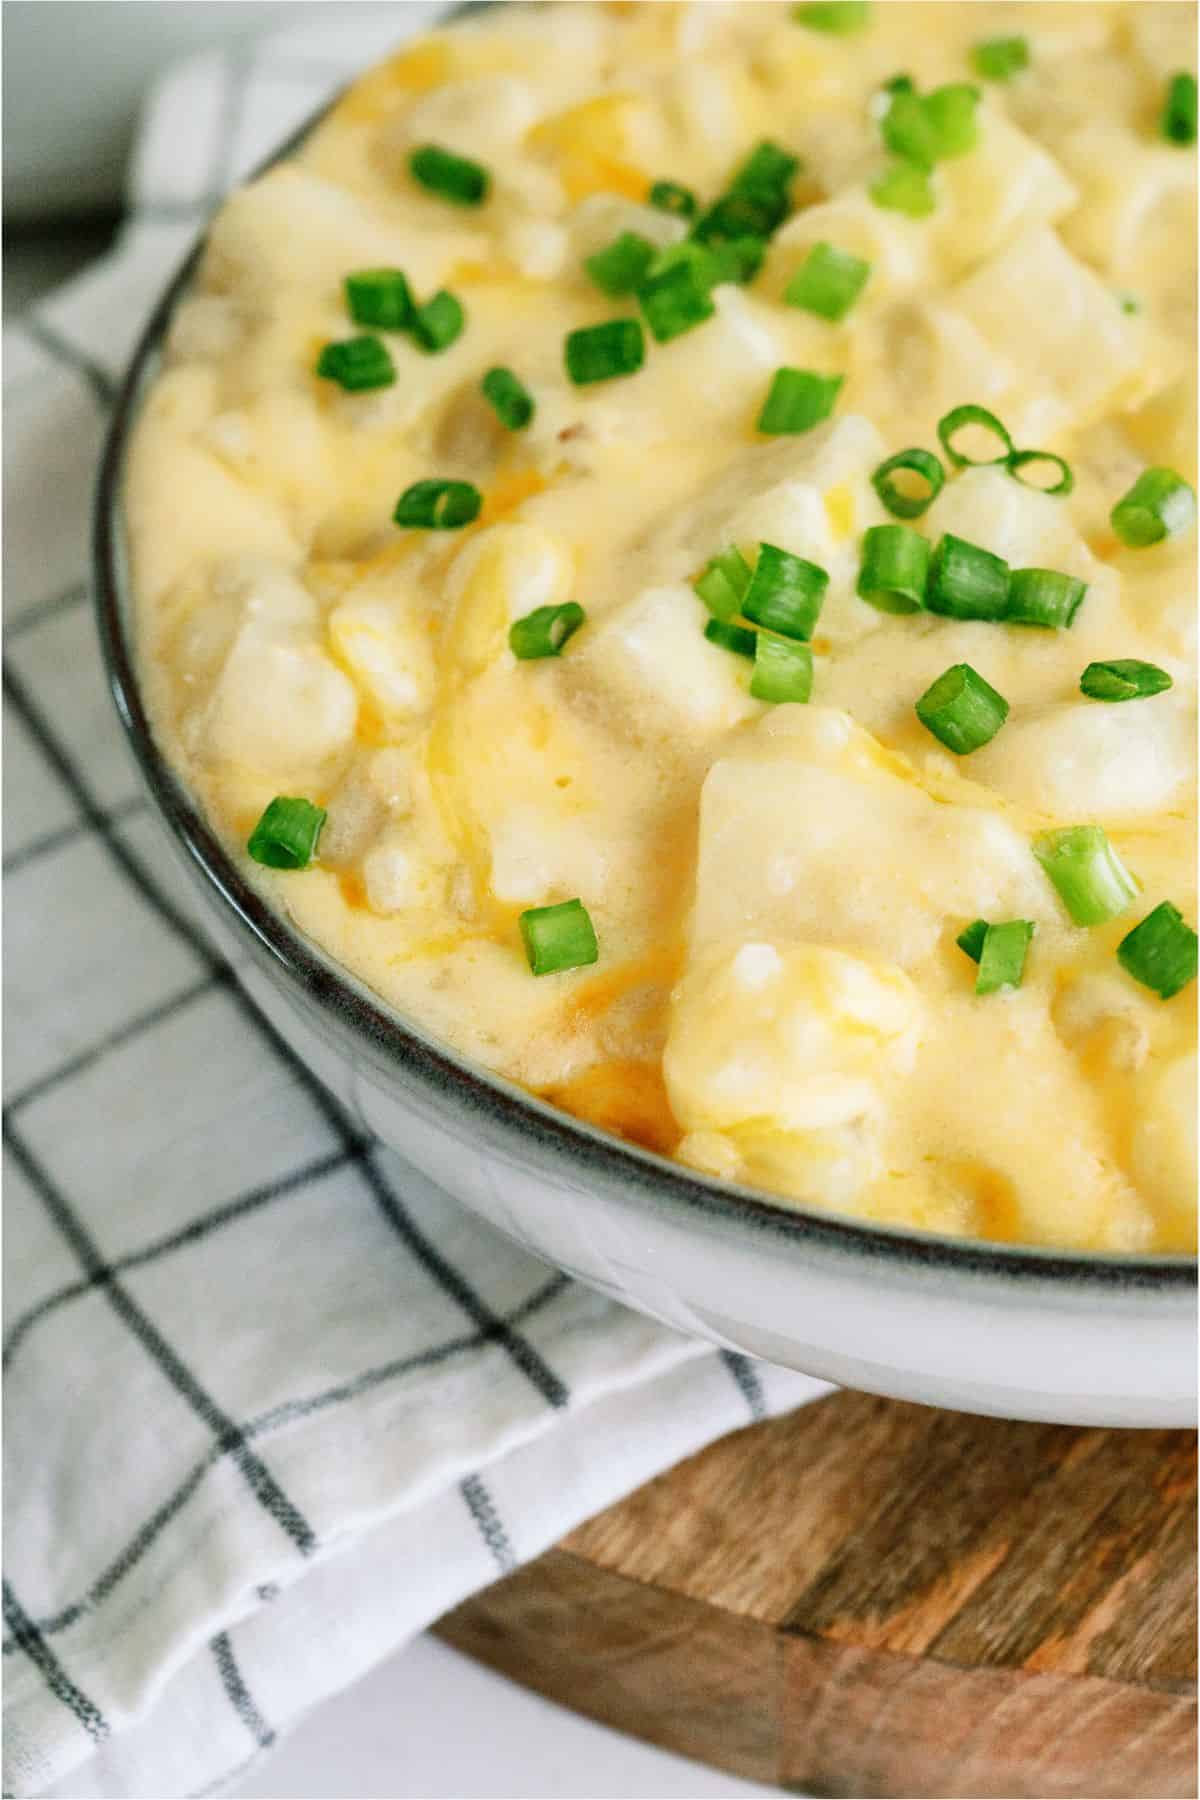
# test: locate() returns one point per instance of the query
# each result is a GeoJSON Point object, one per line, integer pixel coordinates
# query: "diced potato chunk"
{"type": "Point", "coordinates": [788, 1035]}
{"type": "Point", "coordinates": [808, 831]}
{"type": "Point", "coordinates": [896, 247]}
{"type": "Point", "coordinates": [545, 850]}
{"type": "Point", "coordinates": [773, 1063]}
{"type": "Point", "coordinates": [387, 651]}
{"type": "Point", "coordinates": [1008, 184]}
{"type": "Point", "coordinates": [596, 221]}
{"type": "Point", "coordinates": [1038, 304]}
{"type": "Point", "coordinates": [650, 669]}
{"type": "Point", "coordinates": [474, 115]}
{"type": "Point", "coordinates": [1083, 759]}
{"type": "Point", "coordinates": [810, 495]}
{"type": "Point", "coordinates": [707, 380]}
{"type": "Point", "coordinates": [1030, 530]}
{"type": "Point", "coordinates": [279, 706]}
{"type": "Point", "coordinates": [1125, 180]}
{"type": "Point", "coordinates": [397, 877]}
{"type": "Point", "coordinates": [505, 572]}
{"type": "Point", "coordinates": [292, 231]}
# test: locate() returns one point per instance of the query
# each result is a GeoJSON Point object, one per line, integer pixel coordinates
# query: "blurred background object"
{"type": "Point", "coordinates": [74, 75]}
{"type": "Point", "coordinates": [75, 72]}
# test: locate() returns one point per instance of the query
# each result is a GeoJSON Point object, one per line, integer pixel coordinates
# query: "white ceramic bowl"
{"type": "Point", "coordinates": [1024, 1333]}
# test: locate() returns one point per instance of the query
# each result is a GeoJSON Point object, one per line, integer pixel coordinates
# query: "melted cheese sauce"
{"type": "Point", "coordinates": [776, 891]}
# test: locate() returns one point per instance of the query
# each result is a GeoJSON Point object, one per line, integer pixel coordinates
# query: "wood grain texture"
{"type": "Point", "coordinates": [873, 1599]}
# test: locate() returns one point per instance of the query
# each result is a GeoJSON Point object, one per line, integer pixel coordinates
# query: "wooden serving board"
{"type": "Point", "coordinates": [867, 1598]}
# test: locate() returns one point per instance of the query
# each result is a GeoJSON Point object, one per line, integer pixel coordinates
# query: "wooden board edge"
{"type": "Point", "coordinates": [815, 1716]}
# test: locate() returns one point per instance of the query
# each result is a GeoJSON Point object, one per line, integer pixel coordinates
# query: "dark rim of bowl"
{"type": "Point", "coordinates": [517, 1113]}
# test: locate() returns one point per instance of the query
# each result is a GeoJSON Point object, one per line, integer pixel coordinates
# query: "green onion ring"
{"type": "Point", "coordinates": [955, 419]}
{"type": "Point", "coordinates": [1020, 458]}
{"type": "Point", "coordinates": [905, 506]}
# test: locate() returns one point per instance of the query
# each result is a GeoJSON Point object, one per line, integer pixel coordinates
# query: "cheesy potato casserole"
{"type": "Point", "coordinates": [664, 539]}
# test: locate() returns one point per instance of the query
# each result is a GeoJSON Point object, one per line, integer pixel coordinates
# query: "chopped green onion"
{"type": "Point", "coordinates": [757, 200]}
{"type": "Point", "coordinates": [558, 937]}
{"type": "Point", "coordinates": [1160, 952]}
{"type": "Point", "coordinates": [903, 188]}
{"type": "Point", "coordinates": [1021, 459]}
{"type": "Point", "coordinates": [1125, 679]}
{"type": "Point", "coordinates": [438, 322]}
{"type": "Point", "coordinates": [1002, 955]}
{"type": "Point", "coordinates": [675, 301]}
{"type": "Point", "coordinates": [286, 835]}
{"type": "Point", "coordinates": [920, 462]}
{"type": "Point", "coordinates": [908, 129]}
{"type": "Point", "coordinates": [1160, 504]}
{"type": "Point", "coordinates": [895, 568]}
{"type": "Point", "coordinates": [438, 505]}
{"type": "Point", "coordinates": [671, 197]}
{"type": "Point", "coordinates": [510, 398]}
{"type": "Point", "coordinates": [970, 938]}
{"type": "Point", "coordinates": [379, 297]}
{"type": "Point", "coordinates": [999, 59]}
{"type": "Point", "coordinates": [544, 631]}
{"type": "Point", "coordinates": [881, 99]}
{"type": "Point", "coordinates": [767, 170]}
{"type": "Point", "coordinates": [828, 282]}
{"type": "Point", "coordinates": [966, 582]}
{"type": "Point", "coordinates": [622, 265]}
{"type": "Point", "coordinates": [923, 130]}
{"type": "Point", "coordinates": [785, 592]}
{"type": "Point", "coordinates": [723, 584]}
{"type": "Point", "coordinates": [738, 259]}
{"type": "Point", "coordinates": [455, 178]}
{"type": "Point", "coordinates": [703, 259]}
{"type": "Point", "coordinates": [797, 400]}
{"type": "Point", "coordinates": [356, 364]}
{"type": "Point", "coordinates": [951, 112]}
{"type": "Point", "coordinates": [731, 637]}
{"type": "Point", "coordinates": [1043, 597]}
{"type": "Point", "coordinates": [957, 419]}
{"type": "Point", "coordinates": [1129, 304]}
{"type": "Point", "coordinates": [1179, 110]}
{"type": "Point", "coordinates": [600, 352]}
{"type": "Point", "coordinates": [839, 17]}
{"type": "Point", "coordinates": [1089, 877]}
{"type": "Point", "coordinates": [741, 215]}
{"type": "Point", "coordinates": [727, 259]}
{"type": "Point", "coordinates": [783, 672]}
{"type": "Point", "coordinates": [962, 710]}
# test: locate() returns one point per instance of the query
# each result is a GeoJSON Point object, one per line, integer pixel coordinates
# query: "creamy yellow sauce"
{"type": "Point", "coordinates": [776, 890]}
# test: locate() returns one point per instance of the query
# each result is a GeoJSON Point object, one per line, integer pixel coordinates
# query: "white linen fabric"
{"type": "Point", "coordinates": [273, 1402]}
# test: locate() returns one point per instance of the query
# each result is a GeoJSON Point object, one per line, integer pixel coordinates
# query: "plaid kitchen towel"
{"type": "Point", "coordinates": [273, 1403]}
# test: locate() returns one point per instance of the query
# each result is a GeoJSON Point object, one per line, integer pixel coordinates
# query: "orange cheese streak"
{"type": "Point", "coordinates": [586, 172]}
{"type": "Point", "coordinates": [353, 890]}
{"type": "Point", "coordinates": [415, 71]}
{"type": "Point", "coordinates": [509, 491]}
{"type": "Point", "coordinates": [622, 1096]}
{"type": "Point", "coordinates": [659, 970]}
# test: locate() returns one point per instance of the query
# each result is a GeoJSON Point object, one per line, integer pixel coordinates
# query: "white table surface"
{"type": "Point", "coordinates": [430, 1724]}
